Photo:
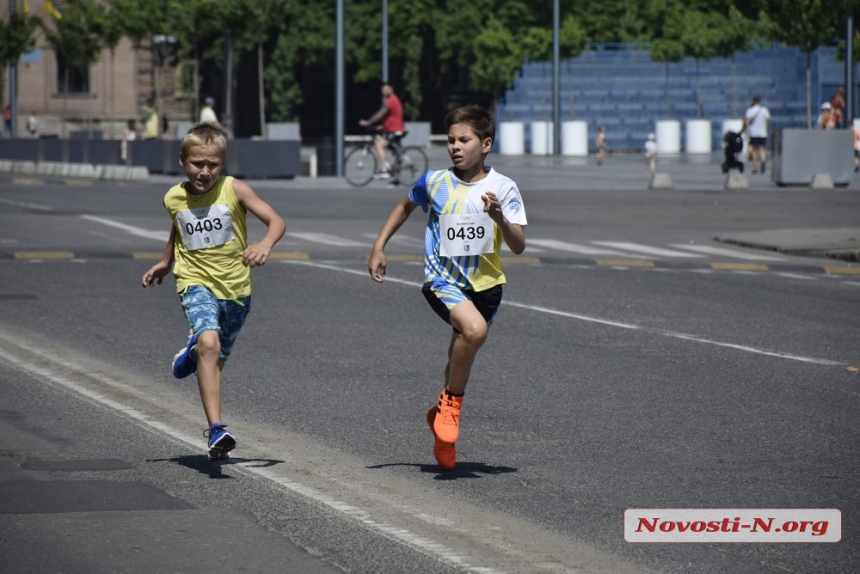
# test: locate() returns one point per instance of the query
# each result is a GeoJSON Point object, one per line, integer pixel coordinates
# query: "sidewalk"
{"type": "Point", "coordinates": [842, 243]}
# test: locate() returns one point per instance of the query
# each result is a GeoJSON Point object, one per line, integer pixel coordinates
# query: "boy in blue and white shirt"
{"type": "Point", "coordinates": [472, 209]}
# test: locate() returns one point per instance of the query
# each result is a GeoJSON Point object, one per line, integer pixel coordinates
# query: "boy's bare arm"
{"type": "Point", "coordinates": [160, 270]}
{"type": "Point", "coordinates": [258, 254]}
{"type": "Point", "coordinates": [513, 234]}
{"type": "Point", "coordinates": [377, 263]}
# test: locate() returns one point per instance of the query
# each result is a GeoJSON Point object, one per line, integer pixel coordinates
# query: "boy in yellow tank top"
{"type": "Point", "coordinates": [211, 260]}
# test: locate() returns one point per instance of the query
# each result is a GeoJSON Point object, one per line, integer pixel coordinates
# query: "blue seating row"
{"type": "Point", "coordinates": [628, 92]}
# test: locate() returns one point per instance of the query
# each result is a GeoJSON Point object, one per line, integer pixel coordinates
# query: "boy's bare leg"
{"type": "Point", "coordinates": [209, 367]}
{"type": "Point", "coordinates": [464, 345]}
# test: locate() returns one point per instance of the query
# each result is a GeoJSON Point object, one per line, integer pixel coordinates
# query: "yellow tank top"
{"type": "Point", "coordinates": [211, 237]}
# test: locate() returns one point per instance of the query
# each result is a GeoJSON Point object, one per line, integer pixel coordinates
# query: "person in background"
{"type": "Point", "coordinates": [837, 103]}
{"type": "Point", "coordinates": [7, 122]}
{"type": "Point", "coordinates": [757, 124]}
{"type": "Point", "coordinates": [150, 119]}
{"type": "Point", "coordinates": [130, 134]}
{"type": "Point", "coordinates": [856, 149]}
{"type": "Point", "coordinates": [600, 142]}
{"type": "Point", "coordinates": [208, 116]}
{"type": "Point", "coordinates": [826, 119]}
{"type": "Point", "coordinates": [391, 116]}
{"type": "Point", "coordinates": [33, 125]}
{"type": "Point", "coordinates": [651, 153]}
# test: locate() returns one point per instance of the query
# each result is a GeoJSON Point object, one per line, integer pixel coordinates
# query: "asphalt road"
{"type": "Point", "coordinates": [696, 378]}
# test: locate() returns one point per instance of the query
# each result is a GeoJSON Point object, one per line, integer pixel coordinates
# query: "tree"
{"type": "Point", "coordinates": [16, 38]}
{"type": "Point", "coordinates": [115, 15]}
{"type": "Point", "coordinates": [665, 22]}
{"type": "Point", "coordinates": [701, 36]}
{"type": "Point", "coordinates": [304, 42]}
{"type": "Point", "coordinates": [77, 38]}
{"type": "Point", "coordinates": [807, 24]}
{"type": "Point", "coordinates": [497, 57]}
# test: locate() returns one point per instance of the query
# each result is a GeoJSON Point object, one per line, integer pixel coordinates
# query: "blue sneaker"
{"type": "Point", "coordinates": [183, 364]}
{"type": "Point", "coordinates": [220, 441]}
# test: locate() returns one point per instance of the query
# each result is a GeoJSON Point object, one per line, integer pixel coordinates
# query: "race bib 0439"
{"type": "Point", "coordinates": [205, 227]}
{"type": "Point", "coordinates": [467, 234]}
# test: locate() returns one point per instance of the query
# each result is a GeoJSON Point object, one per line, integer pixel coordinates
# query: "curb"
{"type": "Point", "coordinates": [76, 170]}
{"type": "Point", "coordinates": [850, 255]}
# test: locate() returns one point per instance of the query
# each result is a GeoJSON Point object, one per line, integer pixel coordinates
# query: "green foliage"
{"type": "Point", "coordinates": [435, 46]}
{"type": "Point", "coordinates": [78, 36]}
{"type": "Point", "coordinates": [573, 39]}
{"type": "Point", "coordinates": [16, 36]}
{"type": "Point", "coordinates": [497, 57]}
{"type": "Point", "coordinates": [807, 24]}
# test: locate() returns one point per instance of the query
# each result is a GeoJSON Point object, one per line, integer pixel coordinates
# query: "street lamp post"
{"type": "Point", "coordinates": [13, 82]}
{"type": "Point", "coordinates": [384, 41]}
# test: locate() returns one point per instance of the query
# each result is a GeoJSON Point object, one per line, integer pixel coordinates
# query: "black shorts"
{"type": "Point", "coordinates": [443, 298]}
{"type": "Point", "coordinates": [758, 142]}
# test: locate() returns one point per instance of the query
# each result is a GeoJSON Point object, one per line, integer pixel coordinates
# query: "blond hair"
{"type": "Point", "coordinates": [203, 135]}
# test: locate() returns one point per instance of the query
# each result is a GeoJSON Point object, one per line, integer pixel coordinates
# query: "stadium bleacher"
{"type": "Point", "coordinates": [625, 90]}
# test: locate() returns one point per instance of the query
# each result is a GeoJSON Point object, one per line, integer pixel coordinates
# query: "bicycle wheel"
{"type": "Point", "coordinates": [413, 164]}
{"type": "Point", "coordinates": [359, 166]}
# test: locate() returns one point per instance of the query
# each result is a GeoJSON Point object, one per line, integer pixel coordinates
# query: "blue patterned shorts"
{"type": "Point", "coordinates": [206, 313]}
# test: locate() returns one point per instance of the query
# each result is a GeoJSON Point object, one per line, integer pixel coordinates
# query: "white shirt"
{"type": "Point", "coordinates": [207, 116]}
{"type": "Point", "coordinates": [758, 117]}
{"type": "Point", "coordinates": [650, 148]}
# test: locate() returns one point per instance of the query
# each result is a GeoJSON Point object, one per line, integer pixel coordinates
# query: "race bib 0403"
{"type": "Point", "coordinates": [466, 234]}
{"type": "Point", "coordinates": [205, 227]}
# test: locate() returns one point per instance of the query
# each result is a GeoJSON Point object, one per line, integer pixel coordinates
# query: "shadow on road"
{"type": "Point", "coordinates": [462, 470]}
{"type": "Point", "coordinates": [212, 468]}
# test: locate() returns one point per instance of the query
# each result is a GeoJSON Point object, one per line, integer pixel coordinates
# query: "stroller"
{"type": "Point", "coordinates": [734, 143]}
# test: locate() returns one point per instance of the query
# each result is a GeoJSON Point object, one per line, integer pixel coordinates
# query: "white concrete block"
{"type": "Point", "coordinates": [737, 181]}
{"type": "Point", "coordinates": [138, 173]}
{"type": "Point", "coordinates": [821, 181]}
{"type": "Point", "coordinates": [24, 167]}
{"type": "Point", "coordinates": [661, 181]}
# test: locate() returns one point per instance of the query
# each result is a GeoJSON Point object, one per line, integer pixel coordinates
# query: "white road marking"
{"type": "Point", "coordinates": [327, 239]}
{"type": "Point", "coordinates": [797, 276]}
{"type": "Point", "coordinates": [637, 248]}
{"type": "Point", "coordinates": [161, 236]}
{"type": "Point", "coordinates": [608, 322]}
{"type": "Point", "coordinates": [707, 249]}
{"type": "Point", "coordinates": [439, 551]}
{"type": "Point", "coordinates": [404, 240]}
{"type": "Point", "coordinates": [573, 247]}
{"type": "Point", "coordinates": [26, 205]}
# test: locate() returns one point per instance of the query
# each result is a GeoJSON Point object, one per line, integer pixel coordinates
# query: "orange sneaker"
{"type": "Point", "coordinates": [445, 452]}
{"type": "Point", "coordinates": [447, 423]}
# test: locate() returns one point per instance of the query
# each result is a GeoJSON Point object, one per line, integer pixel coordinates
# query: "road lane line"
{"type": "Point", "coordinates": [418, 543]}
{"type": "Point", "coordinates": [327, 239]}
{"type": "Point", "coordinates": [130, 229]}
{"type": "Point", "coordinates": [26, 205]}
{"type": "Point", "coordinates": [637, 248]}
{"type": "Point", "coordinates": [590, 319]}
{"type": "Point", "coordinates": [573, 247]}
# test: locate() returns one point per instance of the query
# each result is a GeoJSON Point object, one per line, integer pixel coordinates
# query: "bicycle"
{"type": "Point", "coordinates": [407, 164]}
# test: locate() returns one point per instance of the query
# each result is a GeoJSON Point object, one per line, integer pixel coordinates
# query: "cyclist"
{"type": "Point", "coordinates": [391, 116]}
